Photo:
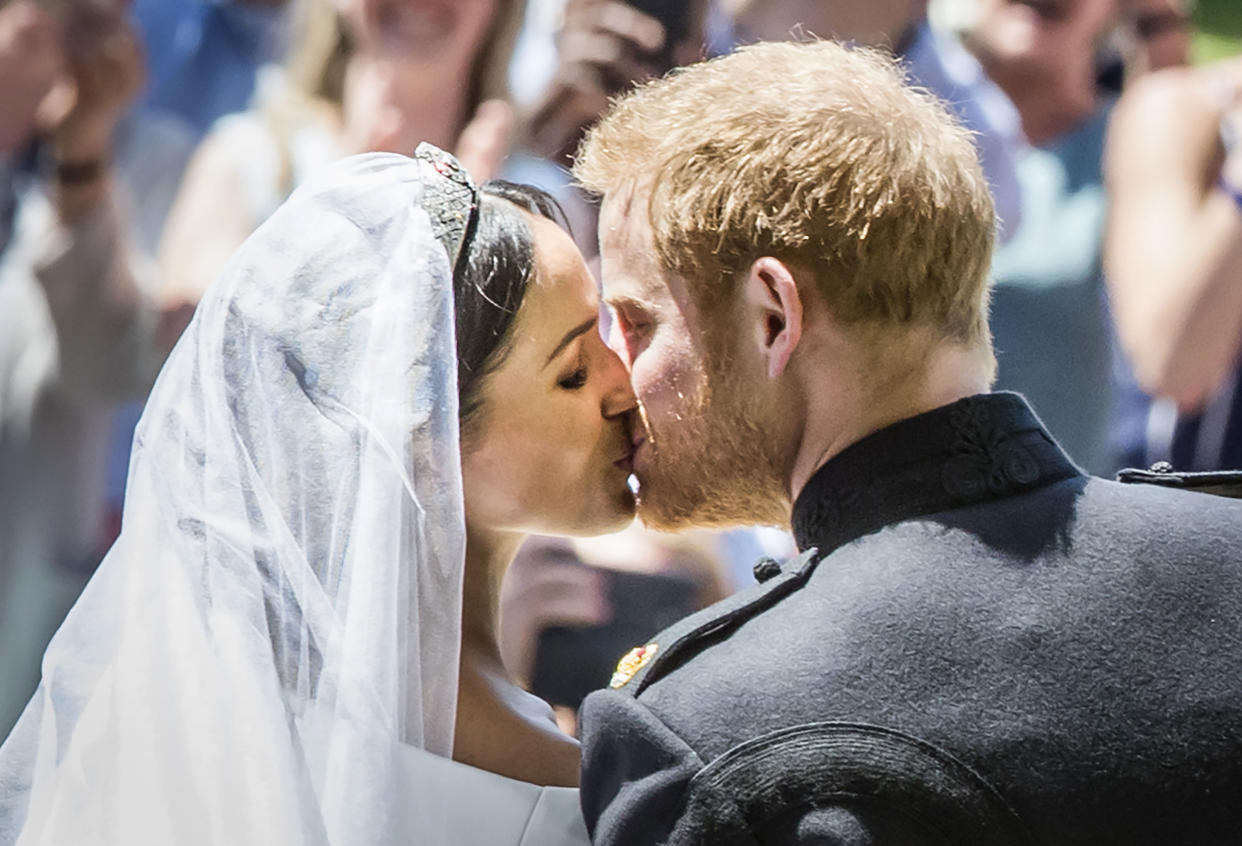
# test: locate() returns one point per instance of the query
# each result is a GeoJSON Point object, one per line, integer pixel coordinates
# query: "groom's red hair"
{"type": "Point", "coordinates": [816, 154]}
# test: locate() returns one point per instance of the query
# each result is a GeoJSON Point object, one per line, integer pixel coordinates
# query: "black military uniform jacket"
{"type": "Point", "coordinates": [987, 648]}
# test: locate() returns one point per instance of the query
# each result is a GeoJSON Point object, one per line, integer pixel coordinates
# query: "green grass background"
{"type": "Point", "coordinates": [1220, 29]}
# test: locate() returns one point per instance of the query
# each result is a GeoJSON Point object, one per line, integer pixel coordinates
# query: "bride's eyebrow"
{"type": "Point", "coordinates": [581, 329]}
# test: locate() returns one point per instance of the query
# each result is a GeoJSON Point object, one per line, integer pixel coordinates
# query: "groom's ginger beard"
{"type": "Point", "coordinates": [712, 461]}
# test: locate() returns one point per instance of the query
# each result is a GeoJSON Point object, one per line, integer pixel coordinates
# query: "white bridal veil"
{"type": "Point", "coordinates": [282, 608]}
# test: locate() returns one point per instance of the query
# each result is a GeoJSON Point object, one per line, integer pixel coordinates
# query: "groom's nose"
{"type": "Point", "coordinates": [614, 338]}
{"type": "Point", "coordinates": [618, 397]}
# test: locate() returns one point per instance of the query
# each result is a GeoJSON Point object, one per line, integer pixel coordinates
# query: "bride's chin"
{"type": "Point", "coordinates": [601, 508]}
{"type": "Point", "coordinates": [626, 508]}
{"type": "Point", "coordinates": [617, 512]}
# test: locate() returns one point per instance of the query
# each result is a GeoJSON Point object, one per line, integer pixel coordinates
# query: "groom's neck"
{"type": "Point", "coordinates": [861, 402]}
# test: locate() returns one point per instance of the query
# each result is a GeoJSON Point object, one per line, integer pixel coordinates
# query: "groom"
{"type": "Point", "coordinates": [979, 644]}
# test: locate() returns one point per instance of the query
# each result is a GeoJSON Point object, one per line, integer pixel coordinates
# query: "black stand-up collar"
{"type": "Point", "coordinates": [977, 449]}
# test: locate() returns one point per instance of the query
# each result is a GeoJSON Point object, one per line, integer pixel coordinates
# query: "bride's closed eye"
{"type": "Point", "coordinates": [575, 379]}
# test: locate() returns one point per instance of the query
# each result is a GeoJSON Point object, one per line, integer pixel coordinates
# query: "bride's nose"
{"type": "Point", "coordinates": [618, 395]}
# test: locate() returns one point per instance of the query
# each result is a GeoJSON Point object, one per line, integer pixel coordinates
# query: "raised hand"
{"type": "Point", "coordinates": [484, 142]}
{"type": "Point", "coordinates": [31, 58]}
{"type": "Point", "coordinates": [105, 73]}
{"type": "Point", "coordinates": [546, 586]}
{"type": "Point", "coordinates": [604, 47]}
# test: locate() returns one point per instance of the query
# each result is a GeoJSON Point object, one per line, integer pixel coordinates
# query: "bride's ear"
{"type": "Point", "coordinates": [773, 312]}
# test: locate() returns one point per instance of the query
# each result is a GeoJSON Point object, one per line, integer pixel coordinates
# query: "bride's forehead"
{"type": "Point", "coordinates": [558, 262]}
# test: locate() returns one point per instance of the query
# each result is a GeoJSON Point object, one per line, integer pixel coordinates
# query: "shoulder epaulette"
{"type": "Point", "coordinates": [644, 664]}
{"type": "Point", "coordinates": [1219, 482]}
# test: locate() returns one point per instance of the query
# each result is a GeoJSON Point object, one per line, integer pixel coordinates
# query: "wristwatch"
{"type": "Point", "coordinates": [80, 172]}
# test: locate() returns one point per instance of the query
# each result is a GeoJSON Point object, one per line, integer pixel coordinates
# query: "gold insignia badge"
{"type": "Point", "coordinates": [633, 661]}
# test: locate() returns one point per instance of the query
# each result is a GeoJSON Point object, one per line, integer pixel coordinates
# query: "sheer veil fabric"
{"type": "Point", "coordinates": [282, 609]}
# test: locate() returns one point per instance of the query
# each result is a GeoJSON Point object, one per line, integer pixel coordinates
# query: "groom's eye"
{"type": "Point", "coordinates": [631, 322]}
{"type": "Point", "coordinates": [634, 326]}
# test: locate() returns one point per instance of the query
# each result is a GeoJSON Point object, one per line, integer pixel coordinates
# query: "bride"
{"type": "Point", "coordinates": [293, 641]}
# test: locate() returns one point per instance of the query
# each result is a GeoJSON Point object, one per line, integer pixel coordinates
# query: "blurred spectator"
{"type": "Point", "coordinates": [369, 75]}
{"type": "Point", "coordinates": [1043, 55]}
{"type": "Point", "coordinates": [888, 24]}
{"type": "Point", "coordinates": [1049, 310]}
{"type": "Point", "coordinates": [1156, 34]}
{"type": "Point", "coordinates": [935, 61]}
{"type": "Point", "coordinates": [1174, 259]}
{"type": "Point", "coordinates": [78, 332]}
{"type": "Point", "coordinates": [30, 61]}
{"type": "Point", "coordinates": [571, 607]}
{"type": "Point", "coordinates": [203, 54]}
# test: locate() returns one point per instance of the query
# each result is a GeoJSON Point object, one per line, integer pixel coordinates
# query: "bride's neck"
{"type": "Point", "coordinates": [500, 727]}
{"type": "Point", "coordinates": [488, 555]}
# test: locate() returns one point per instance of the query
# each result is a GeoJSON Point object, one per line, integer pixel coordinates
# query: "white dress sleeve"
{"type": "Point", "coordinates": [556, 820]}
{"type": "Point", "coordinates": [478, 808]}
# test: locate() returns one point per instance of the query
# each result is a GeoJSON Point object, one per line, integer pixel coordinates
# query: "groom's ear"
{"type": "Point", "coordinates": [774, 312]}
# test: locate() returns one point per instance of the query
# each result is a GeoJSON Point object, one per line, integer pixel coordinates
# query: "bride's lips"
{"type": "Point", "coordinates": [626, 462]}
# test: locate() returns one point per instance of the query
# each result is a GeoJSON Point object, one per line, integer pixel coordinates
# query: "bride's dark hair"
{"type": "Point", "coordinates": [490, 283]}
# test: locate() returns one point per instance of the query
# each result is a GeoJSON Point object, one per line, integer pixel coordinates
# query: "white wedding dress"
{"type": "Point", "coordinates": [491, 810]}
{"type": "Point", "coordinates": [269, 653]}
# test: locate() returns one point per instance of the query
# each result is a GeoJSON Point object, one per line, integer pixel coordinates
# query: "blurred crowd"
{"type": "Point", "coordinates": [141, 142]}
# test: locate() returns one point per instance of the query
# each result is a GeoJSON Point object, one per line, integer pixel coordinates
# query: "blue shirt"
{"type": "Point", "coordinates": [1152, 430]}
{"type": "Point", "coordinates": [202, 54]}
{"type": "Point", "coordinates": [942, 66]}
{"type": "Point", "coordinates": [1049, 314]}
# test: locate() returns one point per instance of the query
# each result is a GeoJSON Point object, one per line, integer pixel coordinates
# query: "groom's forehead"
{"type": "Point", "coordinates": [632, 273]}
{"type": "Point", "coordinates": [627, 254]}
{"type": "Point", "coordinates": [625, 216]}
{"type": "Point", "coordinates": [616, 223]}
